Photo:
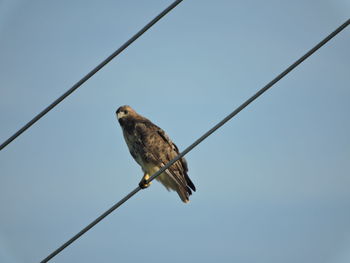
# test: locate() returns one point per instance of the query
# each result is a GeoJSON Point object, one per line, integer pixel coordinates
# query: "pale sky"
{"type": "Point", "coordinates": [272, 184]}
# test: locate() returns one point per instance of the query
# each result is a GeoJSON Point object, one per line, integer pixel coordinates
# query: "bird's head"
{"type": "Point", "coordinates": [125, 112]}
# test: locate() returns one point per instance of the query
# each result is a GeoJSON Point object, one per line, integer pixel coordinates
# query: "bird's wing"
{"type": "Point", "coordinates": [160, 150]}
{"type": "Point", "coordinates": [174, 148]}
{"type": "Point", "coordinates": [181, 165]}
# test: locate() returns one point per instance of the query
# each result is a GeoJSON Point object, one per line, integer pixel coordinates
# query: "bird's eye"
{"type": "Point", "coordinates": [126, 112]}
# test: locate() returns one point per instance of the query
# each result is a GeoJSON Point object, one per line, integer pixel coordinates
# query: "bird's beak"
{"type": "Point", "coordinates": [120, 115]}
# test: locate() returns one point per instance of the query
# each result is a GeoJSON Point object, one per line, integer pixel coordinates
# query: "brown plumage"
{"type": "Point", "coordinates": [152, 148]}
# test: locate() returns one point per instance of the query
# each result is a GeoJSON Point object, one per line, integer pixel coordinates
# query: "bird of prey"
{"type": "Point", "coordinates": [152, 148]}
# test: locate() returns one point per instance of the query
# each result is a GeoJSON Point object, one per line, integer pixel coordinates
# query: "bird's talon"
{"type": "Point", "coordinates": [143, 184]}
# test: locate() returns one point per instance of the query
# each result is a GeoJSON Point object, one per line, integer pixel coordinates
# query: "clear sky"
{"type": "Point", "coordinates": [272, 184]}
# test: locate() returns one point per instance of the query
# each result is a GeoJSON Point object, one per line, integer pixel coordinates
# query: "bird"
{"type": "Point", "coordinates": [152, 149]}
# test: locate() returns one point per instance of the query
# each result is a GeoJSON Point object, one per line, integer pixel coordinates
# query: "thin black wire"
{"type": "Point", "coordinates": [90, 74]}
{"type": "Point", "coordinates": [198, 141]}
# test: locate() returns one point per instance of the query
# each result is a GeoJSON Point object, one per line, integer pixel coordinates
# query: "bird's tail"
{"type": "Point", "coordinates": [184, 195]}
{"type": "Point", "coordinates": [184, 192]}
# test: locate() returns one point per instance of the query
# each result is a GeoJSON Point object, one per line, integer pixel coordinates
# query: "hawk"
{"type": "Point", "coordinates": [152, 148]}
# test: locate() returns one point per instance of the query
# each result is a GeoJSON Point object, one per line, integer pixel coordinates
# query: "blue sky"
{"type": "Point", "coordinates": [273, 183]}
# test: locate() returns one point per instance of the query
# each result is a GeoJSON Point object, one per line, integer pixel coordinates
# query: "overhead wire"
{"type": "Point", "coordinates": [203, 137]}
{"type": "Point", "coordinates": [90, 74]}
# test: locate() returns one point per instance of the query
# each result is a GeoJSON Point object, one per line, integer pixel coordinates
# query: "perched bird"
{"type": "Point", "coordinates": [152, 148]}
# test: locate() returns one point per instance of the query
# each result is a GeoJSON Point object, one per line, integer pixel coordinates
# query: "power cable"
{"type": "Point", "coordinates": [90, 74]}
{"type": "Point", "coordinates": [203, 137]}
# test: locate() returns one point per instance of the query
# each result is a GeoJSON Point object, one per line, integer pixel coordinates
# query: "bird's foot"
{"type": "Point", "coordinates": [143, 183]}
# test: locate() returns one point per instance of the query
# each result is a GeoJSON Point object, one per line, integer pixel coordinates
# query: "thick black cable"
{"type": "Point", "coordinates": [93, 223]}
{"type": "Point", "coordinates": [203, 137]}
{"type": "Point", "coordinates": [251, 99]}
{"type": "Point", "coordinates": [90, 74]}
